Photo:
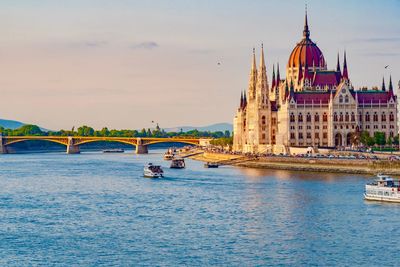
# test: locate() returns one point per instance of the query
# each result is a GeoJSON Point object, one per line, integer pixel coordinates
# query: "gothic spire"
{"type": "Point", "coordinates": [278, 76]}
{"type": "Point", "coordinates": [273, 76]}
{"type": "Point", "coordinates": [306, 31]}
{"type": "Point", "coordinates": [241, 100]}
{"type": "Point", "coordinates": [253, 65]}
{"type": "Point", "coordinates": [262, 61]}
{"type": "Point", "coordinates": [262, 80]}
{"type": "Point", "coordinates": [390, 84]}
{"type": "Point", "coordinates": [383, 84]}
{"type": "Point", "coordinates": [345, 72]}
{"type": "Point", "coordinates": [253, 76]}
{"type": "Point", "coordinates": [338, 64]}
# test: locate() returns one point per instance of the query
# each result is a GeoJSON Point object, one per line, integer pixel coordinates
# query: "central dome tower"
{"type": "Point", "coordinates": [305, 54]}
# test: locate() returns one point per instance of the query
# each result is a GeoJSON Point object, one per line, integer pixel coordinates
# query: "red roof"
{"type": "Point", "coordinates": [330, 78]}
{"type": "Point", "coordinates": [312, 97]}
{"type": "Point", "coordinates": [307, 53]}
{"type": "Point", "coordinates": [373, 97]}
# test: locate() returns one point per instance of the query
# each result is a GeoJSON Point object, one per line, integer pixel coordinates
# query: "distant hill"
{"type": "Point", "coordinates": [212, 128]}
{"type": "Point", "coordinates": [9, 124]}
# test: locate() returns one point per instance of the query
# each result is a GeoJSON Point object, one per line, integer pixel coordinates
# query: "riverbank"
{"type": "Point", "coordinates": [353, 166]}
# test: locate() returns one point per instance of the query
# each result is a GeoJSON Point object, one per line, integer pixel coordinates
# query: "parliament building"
{"type": "Point", "coordinates": [311, 107]}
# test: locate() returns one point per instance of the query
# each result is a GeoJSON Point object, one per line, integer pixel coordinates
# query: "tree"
{"type": "Point", "coordinates": [104, 132]}
{"type": "Point", "coordinates": [28, 130]}
{"type": "Point", "coordinates": [85, 131]}
{"type": "Point", "coordinates": [380, 138]}
{"type": "Point", "coordinates": [227, 134]}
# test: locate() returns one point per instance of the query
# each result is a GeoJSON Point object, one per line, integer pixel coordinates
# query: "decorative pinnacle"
{"type": "Point", "coordinates": [306, 31]}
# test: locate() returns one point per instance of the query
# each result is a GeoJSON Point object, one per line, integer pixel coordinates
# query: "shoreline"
{"type": "Point", "coordinates": [370, 167]}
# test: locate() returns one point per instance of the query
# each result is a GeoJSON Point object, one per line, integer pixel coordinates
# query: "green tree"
{"type": "Point", "coordinates": [380, 138]}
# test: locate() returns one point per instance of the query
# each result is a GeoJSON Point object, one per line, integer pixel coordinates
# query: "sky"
{"type": "Point", "coordinates": [126, 63]}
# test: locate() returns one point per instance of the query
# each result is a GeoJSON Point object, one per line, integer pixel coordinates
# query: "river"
{"type": "Point", "coordinates": [96, 209]}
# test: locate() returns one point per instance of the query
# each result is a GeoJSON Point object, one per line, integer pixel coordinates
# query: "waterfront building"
{"type": "Point", "coordinates": [311, 107]}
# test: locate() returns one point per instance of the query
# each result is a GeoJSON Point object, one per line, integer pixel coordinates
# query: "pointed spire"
{"type": "Point", "coordinates": [253, 65]}
{"type": "Point", "coordinates": [262, 79]}
{"type": "Point", "coordinates": [241, 100]}
{"type": "Point", "coordinates": [383, 84]}
{"type": "Point", "coordinates": [345, 72]}
{"type": "Point", "coordinates": [253, 76]}
{"type": "Point", "coordinates": [278, 76]}
{"type": "Point", "coordinates": [273, 77]}
{"type": "Point", "coordinates": [262, 61]}
{"type": "Point", "coordinates": [306, 31]}
{"type": "Point", "coordinates": [390, 84]}
{"type": "Point", "coordinates": [338, 63]}
{"type": "Point", "coordinates": [244, 100]}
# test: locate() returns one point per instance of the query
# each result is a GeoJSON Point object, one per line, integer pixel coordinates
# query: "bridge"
{"type": "Point", "coordinates": [72, 143]}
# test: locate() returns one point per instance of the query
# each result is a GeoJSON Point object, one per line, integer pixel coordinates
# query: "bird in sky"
{"type": "Point", "coordinates": [386, 66]}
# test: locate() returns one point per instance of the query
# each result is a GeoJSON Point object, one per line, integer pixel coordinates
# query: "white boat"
{"type": "Point", "coordinates": [384, 188]}
{"type": "Point", "coordinates": [153, 171]}
{"type": "Point", "coordinates": [178, 164]}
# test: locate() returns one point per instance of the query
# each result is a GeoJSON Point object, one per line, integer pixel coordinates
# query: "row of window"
{"type": "Point", "coordinates": [308, 117]}
{"type": "Point", "coordinates": [339, 117]}
{"type": "Point", "coordinates": [316, 127]}
{"type": "Point", "coordinates": [308, 135]}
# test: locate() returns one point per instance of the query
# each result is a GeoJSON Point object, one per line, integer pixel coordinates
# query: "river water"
{"type": "Point", "coordinates": [96, 209]}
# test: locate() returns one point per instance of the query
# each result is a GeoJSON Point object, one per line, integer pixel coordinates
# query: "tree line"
{"type": "Point", "coordinates": [34, 130]}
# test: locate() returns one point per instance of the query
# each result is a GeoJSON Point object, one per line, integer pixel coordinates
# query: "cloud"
{"type": "Point", "coordinates": [145, 45]}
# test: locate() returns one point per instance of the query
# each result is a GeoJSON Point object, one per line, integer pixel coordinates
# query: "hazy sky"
{"type": "Point", "coordinates": [124, 63]}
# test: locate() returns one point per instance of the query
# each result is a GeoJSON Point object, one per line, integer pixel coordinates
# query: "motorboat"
{"type": "Point", "coordinates": [153, 171]}
{"type": "Point", "coordinates": [211, 165]}
{"type": "Point", "coordinates": [384, 188]}
{"type": "Point", "coordinates": [178, 163]}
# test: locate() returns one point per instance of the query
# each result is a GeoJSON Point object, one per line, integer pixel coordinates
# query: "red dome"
{"type": "Point", "coordinates": [306, 52]}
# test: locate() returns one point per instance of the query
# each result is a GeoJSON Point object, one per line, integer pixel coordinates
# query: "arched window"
{"type": "Point", "coordinates": [335, 117]}
{"type": "Point", "coordinates": [346, 117]}
{"type": "Point", "coordinates": [263, 120]}
{"type": "Point", "coordinates": [367, 116]}
{"type": "Point", "coordinates": [341, 116]}
{"type": "Point", "coordinates": [325, 117]}
{"type": "Point", "coordinates": [359, 116]}
{"type": "Point", "coordinates": [391, 116]}
{"type": "Point", "coordinates": [353, 117]}
{"type": "Point", "coordinates": [316, 117]}
{"type": "Point", "coordinates": [375, 116]}
{"type": "Point", "coordinates": [383, 116]}
{"type": "Point", "coordinates": [292, 117]}
{"type": "Point", "coordinates": [346, 99]}
{"type": "Point", "coordinates": [300, 117]}
{"type": "Point", "coordinates": [308, 117]}
{"type": "Point", "coordinates": [340, 99]}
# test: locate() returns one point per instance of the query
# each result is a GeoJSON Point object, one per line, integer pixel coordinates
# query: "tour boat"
{"type": "Point", "coordinates": [211, 165]}
{"type": "Point", "coordinates": [115, 150]}
{"type": "Point", "coordinates": [384, 188]}
{"type": "Point", "coordinates": [153, 171]}
{"type": "Point", "coordinates": [178, 164]}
